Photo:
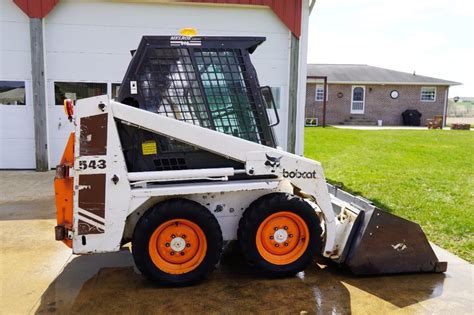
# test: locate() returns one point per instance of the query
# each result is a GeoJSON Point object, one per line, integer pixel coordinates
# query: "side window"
{"type": "Point", "coordinates": [12, 93]}
{"type": "Point", "coordinates": [428, 94]}
{"type": "Point", "coordinates": [276, 95]}
{"type": "Point", "coordinates": [115, 90]}
{"type": "Point", "coordinates": [319, 93]}
{"type": "Point", "coordinates": [77, 90]}
{"type": "Point", "coordinates": [228, 93]}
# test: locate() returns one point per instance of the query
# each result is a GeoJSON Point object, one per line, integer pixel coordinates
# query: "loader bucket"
{"type": "Point", "coordinates": [382, 243]}
{"type": "Point", "coordinates": [387, 244]}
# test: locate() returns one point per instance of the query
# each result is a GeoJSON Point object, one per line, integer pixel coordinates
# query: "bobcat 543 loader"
{"type": "Point", "coordinates": [186, 159]}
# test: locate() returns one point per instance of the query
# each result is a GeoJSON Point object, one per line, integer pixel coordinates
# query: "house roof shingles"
{"type": "Point", "coordinates": [355, 73]}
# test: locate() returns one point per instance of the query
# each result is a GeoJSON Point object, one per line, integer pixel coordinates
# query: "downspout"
{"type": "Point", "coordinates": [297, 85]}
{"type": "Point", "coordinates": [445, 110]}
{"type": "Point", "coordinates": [293, 94]}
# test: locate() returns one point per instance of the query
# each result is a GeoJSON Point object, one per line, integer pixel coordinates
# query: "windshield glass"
{"type": "Point", "coordinates": [228, 95]}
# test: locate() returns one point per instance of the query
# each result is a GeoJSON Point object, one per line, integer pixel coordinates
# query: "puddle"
{"type": "Point", "coordinates": [109, 283]}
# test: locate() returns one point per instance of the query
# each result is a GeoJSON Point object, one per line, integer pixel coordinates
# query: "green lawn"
{"type": "Point", "coordinates": [426, 176]}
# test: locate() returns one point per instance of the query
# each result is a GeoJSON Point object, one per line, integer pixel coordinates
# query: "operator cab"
{"type": "Point", "coordinates": [203, 80]}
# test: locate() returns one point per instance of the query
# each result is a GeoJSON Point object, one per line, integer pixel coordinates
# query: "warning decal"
{"type": "Point", "coordinates": [149, 147]}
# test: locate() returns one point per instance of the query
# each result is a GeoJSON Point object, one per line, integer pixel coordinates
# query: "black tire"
{"type": "Point", "coordinates": [166, 211]}
{"type": "Point", "coordinates": [264, 207]}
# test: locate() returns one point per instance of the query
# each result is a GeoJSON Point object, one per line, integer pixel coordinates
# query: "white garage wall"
{"type": "Point", "coordinates": [17, 140]}
{"type": "Point", "coordinates": [90, 41]}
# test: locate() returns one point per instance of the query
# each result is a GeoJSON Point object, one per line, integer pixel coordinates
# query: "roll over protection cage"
{"type": "Point", "coordinates": [207, 81]}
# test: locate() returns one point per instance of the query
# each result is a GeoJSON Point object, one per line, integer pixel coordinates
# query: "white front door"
{"type": "Point", "coordinates": [358, 100]}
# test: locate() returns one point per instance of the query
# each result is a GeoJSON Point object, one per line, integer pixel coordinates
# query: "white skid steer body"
{"type": "Point", "coordinates": [108, 201]}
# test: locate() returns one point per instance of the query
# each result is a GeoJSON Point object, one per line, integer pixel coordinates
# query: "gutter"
{"type": "Point", "coordinates": [311, 80]}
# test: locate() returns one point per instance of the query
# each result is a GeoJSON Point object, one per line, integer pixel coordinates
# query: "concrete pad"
{"type": "Point", "coordinates": [355, 127]}
{"type": "Point", "coordinates": [30, 258]}
{"type": "Point", "coordinates": [40, 275]}
{"type": "Point", "coordinates": [379, 127]}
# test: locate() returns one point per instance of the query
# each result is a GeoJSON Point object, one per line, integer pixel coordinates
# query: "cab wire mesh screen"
{"type": "Point", "coordinates": [212, 87]}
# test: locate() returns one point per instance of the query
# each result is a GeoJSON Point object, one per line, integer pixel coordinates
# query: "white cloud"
{"type": "Point", "coordinates": [433, 37]}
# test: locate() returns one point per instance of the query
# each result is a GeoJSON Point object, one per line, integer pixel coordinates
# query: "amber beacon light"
{"type": "Point", "coordinates": [188, 31]}
{"type": "Point", "coordinates": [69, 108]}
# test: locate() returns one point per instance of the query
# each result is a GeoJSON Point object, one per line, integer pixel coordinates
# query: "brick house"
{"type": "Point", "coordinates": [362, 95]}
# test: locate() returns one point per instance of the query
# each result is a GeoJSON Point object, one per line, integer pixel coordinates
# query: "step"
{"type": "Point", "coordinates": [359, 119]}
{"type": "Point", "coordinates": [359, 123]}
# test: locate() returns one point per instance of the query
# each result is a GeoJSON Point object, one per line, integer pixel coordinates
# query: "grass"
{"type": "Point", "coordinates": [426, 176]}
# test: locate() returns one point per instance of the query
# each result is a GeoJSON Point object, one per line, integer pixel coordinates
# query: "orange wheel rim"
{"type": "Point", "coordinates": [177, 246]}
{"type": "Point", "coordinates": [282, 238]}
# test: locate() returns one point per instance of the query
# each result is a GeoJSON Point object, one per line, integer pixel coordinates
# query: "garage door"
{"type": "Point", "coordinates": [17, 138]}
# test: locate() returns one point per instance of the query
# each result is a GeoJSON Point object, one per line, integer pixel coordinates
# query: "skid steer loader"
{"type": "Point", "coordinates": [185, 159]}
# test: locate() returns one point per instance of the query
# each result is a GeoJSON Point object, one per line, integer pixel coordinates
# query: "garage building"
{"type": "Point", "coordinates": [52, 49]}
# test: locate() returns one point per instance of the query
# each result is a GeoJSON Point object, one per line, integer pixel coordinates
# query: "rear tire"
{"type": "Point", "coordinates": [280, 234]}
{"type": "Point", "coordinates": [177, 242]}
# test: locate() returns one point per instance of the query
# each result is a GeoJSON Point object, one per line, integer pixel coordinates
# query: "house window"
{"type": "Point", "coordinates": [319, 93]}
{"type": "Point", "coordinates": [77, 90]}
{"type": "Point", "coordinates": [428, 94]}
{"type": "Point", "coordinates": [12, 93]}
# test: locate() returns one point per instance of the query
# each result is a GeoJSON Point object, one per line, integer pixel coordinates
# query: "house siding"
{"type": "Point", "coordinates": [378, 103]}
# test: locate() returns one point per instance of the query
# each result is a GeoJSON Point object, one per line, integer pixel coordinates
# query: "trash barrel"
{"type": "Point", "coordinates": [411, 117]}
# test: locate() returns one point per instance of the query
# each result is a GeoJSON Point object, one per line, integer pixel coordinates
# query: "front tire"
{"type": "Point", "coordinates": [280, 234]}
{"type": "Point", "coordinates": [177, 242]}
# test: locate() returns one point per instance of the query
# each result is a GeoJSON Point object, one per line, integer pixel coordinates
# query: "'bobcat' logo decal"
{"type": "Point", "coordinates": [273, 162]}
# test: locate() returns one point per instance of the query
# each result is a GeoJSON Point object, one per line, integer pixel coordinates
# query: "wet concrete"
{"type": "Point", "coordinates": [39, 275]}
{"type": "Point", "coordinates": [109, 283]}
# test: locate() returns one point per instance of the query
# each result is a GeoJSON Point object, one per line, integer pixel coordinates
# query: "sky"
{"type": "Point", "coordinates": [432, 37]}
